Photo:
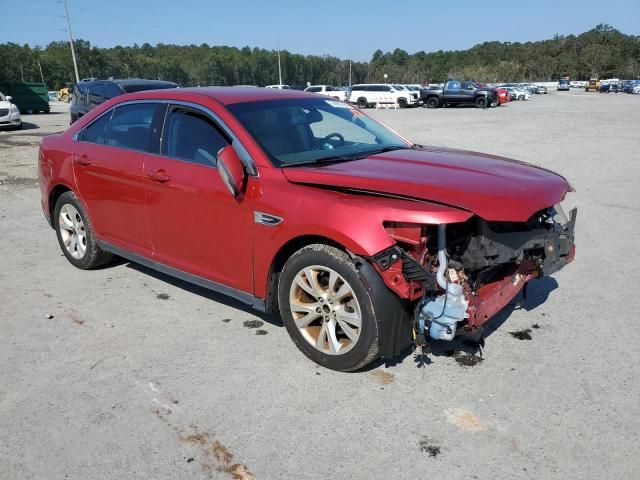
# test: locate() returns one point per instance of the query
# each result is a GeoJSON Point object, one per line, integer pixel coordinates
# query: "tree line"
{"type": "Point", "coordinates": [603, 51]}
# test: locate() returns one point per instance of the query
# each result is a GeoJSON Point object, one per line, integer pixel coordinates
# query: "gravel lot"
{"type": "Point", "coordinates": [137, 375]}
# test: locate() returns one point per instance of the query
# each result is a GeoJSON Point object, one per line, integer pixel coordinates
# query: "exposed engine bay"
{"type": "Point", "coordinates": [458, 276]}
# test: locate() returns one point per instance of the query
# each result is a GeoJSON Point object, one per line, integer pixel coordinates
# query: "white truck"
{"type": "Point", "coordinates": [370, 94]}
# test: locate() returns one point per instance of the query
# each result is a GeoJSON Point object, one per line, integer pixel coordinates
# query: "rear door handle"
{"type": "Point", "coordinates": [159, 176]}
{"type": "Point", "coordinates": [83, 160]}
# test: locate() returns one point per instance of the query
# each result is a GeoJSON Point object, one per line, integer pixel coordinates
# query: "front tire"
{"type": "Point", "coordinates": [362, 102]}
{"type": "Point", "coordinates": [402, 103]}
{"type": "Point", "coordinates": [75, 234]}
{"type": "Point", "coordinates": [327, 310]}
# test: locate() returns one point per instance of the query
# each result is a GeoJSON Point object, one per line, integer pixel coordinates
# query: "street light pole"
{"type": "Point", "coordinates": [73, 52]}
{"type": "Point", "coordinates": [279, 68]}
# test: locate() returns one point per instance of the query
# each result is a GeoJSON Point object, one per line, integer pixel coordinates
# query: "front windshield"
{"type": "Point", "coordinates": [301, 131]}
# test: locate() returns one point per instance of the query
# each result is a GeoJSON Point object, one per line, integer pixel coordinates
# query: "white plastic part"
{"type": "Point", "coordinates": [445, 311]}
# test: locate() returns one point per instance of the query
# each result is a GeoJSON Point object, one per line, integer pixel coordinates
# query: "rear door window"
{"type": "Point", "coordinates": [97, 131]}
{"type": "Point", "coordinates": [192, 136]}
{"type": "Point", "coordinates": [131, 126]}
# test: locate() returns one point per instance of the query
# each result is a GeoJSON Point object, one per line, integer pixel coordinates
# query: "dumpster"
{"type": "Point", "coordinates": [29, 97]}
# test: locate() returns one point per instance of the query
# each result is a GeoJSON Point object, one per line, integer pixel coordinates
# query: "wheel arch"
{"type": "Point", "coordinates": [54, 194]}
{"type": "Point", "coordinates": [280, 258]}
{"type": "Point", "coordinates": [392, 313]}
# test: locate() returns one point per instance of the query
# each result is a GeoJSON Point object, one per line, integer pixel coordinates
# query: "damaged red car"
{"type": "Point", "coordinates": [305, 207]}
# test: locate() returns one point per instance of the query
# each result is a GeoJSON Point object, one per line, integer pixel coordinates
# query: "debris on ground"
{"type": "Point", "coordinates": [427, 447]}
{"type": "Point", "coordinates": [467, 359]}
{"type": "Point", "coordinates": [253, 323]}
{"type": "Point", "coordinates": [524, 334]}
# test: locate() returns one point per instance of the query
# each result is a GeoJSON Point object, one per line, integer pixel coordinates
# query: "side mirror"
{"type": "Point", "coordinates": [9, 98]}
{"type": "Point", "coordinates": [231, 170]}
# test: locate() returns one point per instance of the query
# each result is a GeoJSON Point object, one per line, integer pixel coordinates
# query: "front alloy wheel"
{"type": "Point", "coordinates": [327, 309]}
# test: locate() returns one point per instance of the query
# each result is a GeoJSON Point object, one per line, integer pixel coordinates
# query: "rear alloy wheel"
{"type": "Point", "coordinates": [433, 102]}
{"type": "Point", "coordinates": [362, 102]}
{"type": "Point", "coordinates": [75, 234]}
{"type": "Point", "coordinates": [327, 310]}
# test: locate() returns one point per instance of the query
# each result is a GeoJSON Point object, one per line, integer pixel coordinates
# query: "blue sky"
{"type": "Point", "coordinates": [346, 28]}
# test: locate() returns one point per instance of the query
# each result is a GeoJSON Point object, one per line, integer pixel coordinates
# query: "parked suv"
{"type": "Point", "coordinates": [90, 93]}
{"type": "Point", "coordinates": [367, 95]}
{"type": "Point", "coordinates": [306, 208]}
{"type": "Point", "coordinates": [328, 90]}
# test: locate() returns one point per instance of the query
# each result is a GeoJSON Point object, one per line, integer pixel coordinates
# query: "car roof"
{"type": "Point", "coordinates": [126, 81]}
{"type": "Point", "coordinates": [224, 95]}
{"type": "Point", "coordinates": [139, 81]}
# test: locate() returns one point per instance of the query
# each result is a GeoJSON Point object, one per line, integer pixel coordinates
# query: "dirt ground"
{"type": "Point", "coordinates": [126, 373]}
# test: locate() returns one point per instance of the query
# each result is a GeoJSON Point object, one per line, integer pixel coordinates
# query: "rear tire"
{"type": "Point", "coordinates": [432, 102]}
{"type": "Point", "coordinates": [75, 234]}
{"type": "Point", "coordinates": [327, 309]}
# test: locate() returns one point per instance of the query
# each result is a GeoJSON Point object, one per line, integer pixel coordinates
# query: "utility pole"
{"type": "Point", "coordinates": [279, 68]}
{"type": "Point", "coordinates": [73, 52]}
{"type": "Point", "coordinates": [41, 75]}
{"type": "Point", "coordinates": [349, 72]}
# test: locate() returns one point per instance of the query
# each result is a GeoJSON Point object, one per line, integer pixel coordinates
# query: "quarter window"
{"type": "Point", "coordinates": [192, 136]}
{"type": "Point", "coordinates": [131, 126]}
{"type": "Point", "coordinates": [111, 90]}
{"type": "Point", "coordinates": [96, 94]}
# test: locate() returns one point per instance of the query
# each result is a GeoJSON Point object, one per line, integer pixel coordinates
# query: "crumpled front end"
{"type": "Point", "coordinates": [459, 275]}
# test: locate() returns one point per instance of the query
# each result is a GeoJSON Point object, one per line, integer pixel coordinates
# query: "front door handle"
{"type": "Point", "coordinates": [159, 176]}
{"type": "Point", "coordinates": [83, 160]}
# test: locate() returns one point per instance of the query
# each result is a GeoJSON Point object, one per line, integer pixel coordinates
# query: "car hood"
{"type": "Point", "coordinates": [4, 104]}
{"type": "Point", "coordinates": [494, 188]}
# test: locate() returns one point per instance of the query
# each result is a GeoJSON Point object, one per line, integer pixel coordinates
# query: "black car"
{"type": "Point", "coordinates": [89, 94]}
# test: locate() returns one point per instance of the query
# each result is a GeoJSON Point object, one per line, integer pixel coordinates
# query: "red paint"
{"type": "Point", "coordinates": [503, 95]}
{"type": "Point", "coordinates": [492, 187]}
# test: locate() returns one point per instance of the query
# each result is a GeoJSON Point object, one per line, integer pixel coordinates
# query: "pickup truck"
{"type": "Point", "coordinates": [456, 93]}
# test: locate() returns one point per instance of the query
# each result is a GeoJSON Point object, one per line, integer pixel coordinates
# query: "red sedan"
{"type": "Point", "coordinates": [305, 207]}
{"type": "Point", "coordinates": [503, 95]}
